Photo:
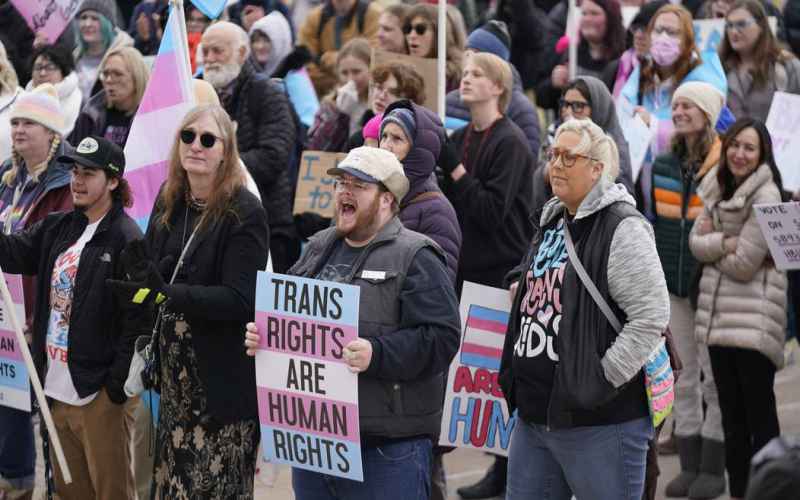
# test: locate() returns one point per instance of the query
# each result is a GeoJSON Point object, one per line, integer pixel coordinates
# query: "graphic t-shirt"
{"type": "Point", "coordinates": [118, 124]}
{"type": "Point", "coordinates": [535, 355]}
{"type": "Point", "coordinates": [340, 263]}
{"type": "Point", "coordinates": [58, 381]}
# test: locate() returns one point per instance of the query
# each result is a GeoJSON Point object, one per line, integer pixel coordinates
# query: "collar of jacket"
{"type": "Point", "coordinates": [712, 159]}
{"type": "Point", "coordinates": [325, 239]}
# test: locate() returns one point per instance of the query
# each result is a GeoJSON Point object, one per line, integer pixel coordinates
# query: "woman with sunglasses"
{"type": "Point", "coordinates": [757, 66]}
{"type": "Point", "coordinates": [552, 336]}
{"type": "Point", "coordinates": [110, 112]}
{"type": "Point", "coordinates": [421, 28]}
{"type": "Point", "coordinates": [741, 307]}
{"type": "Point", "coordinates": [206, 239]}
{"type": "Point", "coordinates": [675, 178]}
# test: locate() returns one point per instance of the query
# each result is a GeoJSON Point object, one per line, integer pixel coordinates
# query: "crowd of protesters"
{"type": "Point", "coordinates": [527, 185]}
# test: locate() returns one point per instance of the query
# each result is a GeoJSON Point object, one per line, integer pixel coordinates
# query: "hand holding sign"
{"type": "Point", "coordinates": [358, 355]}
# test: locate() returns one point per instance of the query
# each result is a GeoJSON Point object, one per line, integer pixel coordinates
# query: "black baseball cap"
{"type": "Point", "coordinates": [97, 152]}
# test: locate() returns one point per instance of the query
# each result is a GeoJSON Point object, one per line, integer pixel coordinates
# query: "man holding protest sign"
{"type": "Point", "coordinates": [82, 336]}
{"type": "Point", "coordinates": [408, 328]}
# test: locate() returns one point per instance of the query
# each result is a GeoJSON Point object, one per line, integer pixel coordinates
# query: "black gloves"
{"type": "Point", "coordinates": [144, 281]}
{"type": "Point", "coordinates": [449, 157]}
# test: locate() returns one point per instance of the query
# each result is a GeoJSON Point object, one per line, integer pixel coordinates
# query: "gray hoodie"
{"type": "Point", "coordinates": [635, 280]}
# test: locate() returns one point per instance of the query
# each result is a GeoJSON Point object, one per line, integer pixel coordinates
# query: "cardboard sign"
{"type": "Point", "coordinates": [708, 33]}
{"type": "Point", "coordinates": [426, 67]}
{"type": "Point", "coordinates": [783, 121]}
{"type": "Point", "coordinates": [307, 396]}
{"type": "Point", "coordinates": [14, 382]}
{"type": "Point", "coordinates": [49, 17]}
{"type": "Point", "coordinates": [780, 224]}
{"type": "Point", "coordinates": [475, 414]}
{"type": "Point", "coordinates": [314, 186]}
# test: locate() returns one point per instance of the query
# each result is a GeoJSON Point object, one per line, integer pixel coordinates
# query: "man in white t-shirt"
{"type": "Point", "coordinates": [82, 334]}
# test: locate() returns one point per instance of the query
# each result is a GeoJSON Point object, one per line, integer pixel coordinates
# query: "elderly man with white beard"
{"type": "Point", "coordinates": [265, 131]}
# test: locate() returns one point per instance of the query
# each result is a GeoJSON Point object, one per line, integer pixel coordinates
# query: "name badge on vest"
{"type": "Point", "coordinates": [373, 275]}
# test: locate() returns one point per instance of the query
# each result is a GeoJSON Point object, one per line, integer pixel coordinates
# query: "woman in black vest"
{"type": "Point", "coordinates": [586, 436]}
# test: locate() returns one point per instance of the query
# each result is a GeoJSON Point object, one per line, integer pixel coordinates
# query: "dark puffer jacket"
{"type": "Point", "coordinates": [266, 135]}
{"type": "Point", "coordinates": [425, 209]}
{"type": "Point", "coordinates": [521, 111]}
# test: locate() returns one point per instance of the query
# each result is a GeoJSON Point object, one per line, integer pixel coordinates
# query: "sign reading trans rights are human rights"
{"type": "Point", "coordinates": [307, 397]}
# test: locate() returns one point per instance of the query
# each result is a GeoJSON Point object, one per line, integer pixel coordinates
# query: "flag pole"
{"type": "Point", "coordinates": [572, 35]}
{"type": "Point", "coordinates": [35, 382]}
{"type": "Point", "coordinates": [441, 59]}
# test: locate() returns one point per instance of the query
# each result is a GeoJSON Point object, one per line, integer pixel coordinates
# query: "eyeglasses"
{"type": "Point", "coordinates": [567, 159]}
{"type": "Point", "coordinates": [207, 139]}
{"type": "Point", "coordinates": [663, 30]}
{"type": "Point", "coordinates": [379, 89]}
{"type": "Point", "coordinates": [111, 75]}
{"type": "Point", "coordinates": [419, 29]}
{"type": "Point", "coordinates": [739, 26]}
{"type": "Point", "coordinates": [341, 185]}
{"type": "Point", "coordinates": [44, 68]}
{"type": "Point", "coordinates": [576, 106]}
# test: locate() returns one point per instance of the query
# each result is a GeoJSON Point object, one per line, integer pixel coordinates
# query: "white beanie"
{"type": "Point", "coordinates": [703, 95]}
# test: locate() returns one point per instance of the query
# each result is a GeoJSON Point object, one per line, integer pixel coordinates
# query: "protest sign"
{"type": "Point", "coordinates": [780, 224]}
{"type": "Point", "coordinates": [783, 122]}
{"type": "Point", "coordinates": [307, 396]}
{"type": "Point", "coordinates": [14, 382]}
{"type": "Point", "coordinates": [426, 67]}
{"type": "Point", "coordinates": [314, 186]}
{"type": "Point", "coordinates": [49, 17]}
{"type": "Point", "coordinates": [475, 415]}
{"type": "Point", "coordinates": [708, 33]}
{"type": "Point", "coordinates": [636, 132]}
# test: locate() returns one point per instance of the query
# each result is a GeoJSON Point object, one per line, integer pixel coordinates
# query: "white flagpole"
{"type": "Point", "coordinates": [572, 34]}
{"type": "Point", "coordinates": [35, 382]}
{"type": "Point", "coordinates": [442, 57]}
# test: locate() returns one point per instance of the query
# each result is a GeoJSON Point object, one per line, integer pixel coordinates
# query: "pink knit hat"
{"type": "Point", "coordinates": [373, 128]}
{"type": "Point", "coordinates": [41, 105]}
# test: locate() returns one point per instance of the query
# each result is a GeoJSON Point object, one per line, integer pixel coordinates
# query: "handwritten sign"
{"type": "Point", "coordinates": [49, 17]}
{"type": "Point", "coordinates": [426, 67]}
{"type": "Point", "coordinates": [307, 397]}
{"type": "Point", "coordinates": [783, 121]}
{"type": "Point", "coordinates": [636, 132]}
{"type": "Point", "coordinates": [780, 224]}
{"type": "Point", "coordinates": [14, 382]}
{"type": "Point", "coordinates": [475, 415]}
{"type": "Point", "coordinates": [314, 186]}
{"type": "Point", "coordinates": [708, 33]}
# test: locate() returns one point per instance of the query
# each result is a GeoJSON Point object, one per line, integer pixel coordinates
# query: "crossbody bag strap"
{"type": "Point", "coordinates": [588, 283]}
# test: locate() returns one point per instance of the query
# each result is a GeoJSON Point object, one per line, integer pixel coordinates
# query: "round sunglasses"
{"type": "Point", "coordinates": [207, 139]}
{"type": "Point", "coordinates": [419, 28]}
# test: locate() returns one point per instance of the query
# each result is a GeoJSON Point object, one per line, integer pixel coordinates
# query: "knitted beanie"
{"type": "Point", "coordinates": [492, 37]}
{"type": "Point", "coordinates": [100, 6]}
{"type": "Point", "coordinates": [41, 105]}
{"type": "Point", "coordinates": [372, 130]}
{"type": "Point", "coordinates": [403, 118]}
{"type": "Point", "coordinates": [703, 95]}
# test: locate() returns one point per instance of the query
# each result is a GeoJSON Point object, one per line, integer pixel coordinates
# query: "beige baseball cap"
{"type": "Point", "coordinates": [375, 165]}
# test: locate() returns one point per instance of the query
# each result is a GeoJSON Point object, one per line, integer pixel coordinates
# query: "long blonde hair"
{"type": "Point", "coordinates": [8, 77]}
{"type": "Point", "coordinates": [140, 72]}
{"type": "Point", "coordinates": [36, 170]}
{"type": "Point", "coordinates": [229, 176]}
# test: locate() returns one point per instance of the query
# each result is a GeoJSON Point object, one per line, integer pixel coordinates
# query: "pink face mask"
{"type": "Point", "coordinates": [665, 50]}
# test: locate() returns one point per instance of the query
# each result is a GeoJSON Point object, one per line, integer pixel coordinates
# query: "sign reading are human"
{"type": "Point", "coordinates": [14, 382]}
{"type": "Point", "coordinates": [780, 225]}
{"type": "Point", "coordinates": [783, 122]}
{"type": "Point", "coordinates": [48, 17]}
{"type": "Point", "coordinates": [314, 191]}
{"type": "Point", "coordinates": [307, 396]}
{"type": "Point", "coordinates": [475, 414]}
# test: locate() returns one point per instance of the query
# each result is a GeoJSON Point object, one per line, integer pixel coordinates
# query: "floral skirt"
{"type": "Point", "coordinates": [196, 457]}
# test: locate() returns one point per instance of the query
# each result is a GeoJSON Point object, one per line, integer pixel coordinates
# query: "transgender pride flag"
{"type": "Point", "coordinates": [484, 337]}
{"type": "Point", "coordinates": [169, 95]}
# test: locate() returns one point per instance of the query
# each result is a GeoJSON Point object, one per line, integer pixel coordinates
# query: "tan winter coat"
{"type": "Point", "coordinates": [742, 300]}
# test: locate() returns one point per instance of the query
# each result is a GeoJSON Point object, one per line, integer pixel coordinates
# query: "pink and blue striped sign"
{"type": "Point", "coordinates": [484, 337]}
{"type": "Point", "coordinates": [307, 396]}
{"type": "Point", "coordinates": [14, 381]}
{"type": "Point", "coordinates": [168, 97]}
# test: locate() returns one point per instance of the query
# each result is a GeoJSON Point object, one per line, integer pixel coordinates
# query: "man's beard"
{"type": "Point", "coordinates": [222, 75]}
{"type": "Point", "coordinates": [365, 222]}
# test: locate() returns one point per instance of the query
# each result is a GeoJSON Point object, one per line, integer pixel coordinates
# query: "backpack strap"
{"type": "Point", "coordinates": [428, 195]}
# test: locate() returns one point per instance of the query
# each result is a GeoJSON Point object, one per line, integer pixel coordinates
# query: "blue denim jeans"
{"type": "Point", "coordinates": [17, 449]}
{"type": "Point", "coordinates": [396, 471]}
{"type": "Point", "coordinates": [599, 463]}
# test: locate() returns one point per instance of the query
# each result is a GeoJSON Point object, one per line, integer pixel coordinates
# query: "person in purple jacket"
{"type": "Point", "coordinates": [415, 135]}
